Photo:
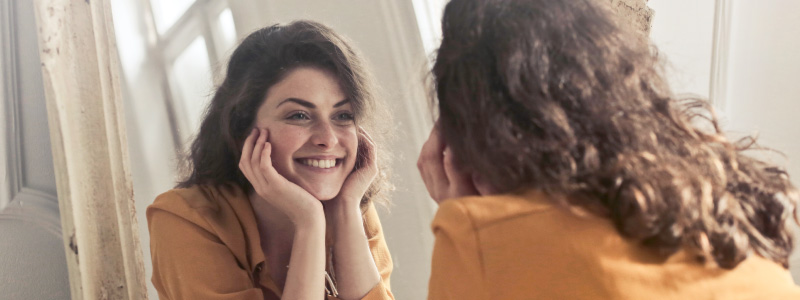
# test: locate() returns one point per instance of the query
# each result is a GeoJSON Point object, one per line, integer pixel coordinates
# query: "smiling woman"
{"type": "Point", "coordinates": [313, 121]}
{"type": "Point", "coordinates": [283, 172]}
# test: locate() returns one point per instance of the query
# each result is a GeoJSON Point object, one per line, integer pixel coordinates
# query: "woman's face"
{"type": "Point", "coordinates": [311, 129]}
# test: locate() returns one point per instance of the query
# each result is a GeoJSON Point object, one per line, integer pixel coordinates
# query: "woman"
{"type": "Point", "coordinates": [595, 182]}
{"type": "Point", "coordinates": [278, 203]}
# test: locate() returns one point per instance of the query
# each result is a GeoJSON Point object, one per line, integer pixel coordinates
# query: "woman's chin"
{"type": "Point", "coordinates": [323, 194]}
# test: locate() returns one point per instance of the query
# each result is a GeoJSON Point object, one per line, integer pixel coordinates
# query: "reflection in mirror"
{"type": "Point", "coordinates": [174, 55]}
{"type": "Point", "coordinates": [190, 70]}
{"type": "Point", "coordinates": [166, 13]}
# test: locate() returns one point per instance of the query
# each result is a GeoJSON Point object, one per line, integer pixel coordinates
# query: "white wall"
{"type": "Point", "coordinates": [683, 30]}
{"type": "Point", "coordinates": [764, 81]}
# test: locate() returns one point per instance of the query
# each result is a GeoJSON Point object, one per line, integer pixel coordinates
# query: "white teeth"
{"type": "Point", "coordinates": [320, 163]}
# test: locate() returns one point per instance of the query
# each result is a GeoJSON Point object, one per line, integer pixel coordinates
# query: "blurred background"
{"type": "Point", "coordinates": [741, 55]}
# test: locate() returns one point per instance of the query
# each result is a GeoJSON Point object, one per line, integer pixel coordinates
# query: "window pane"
{"type": "Point", "coordinates": [429, 16]}
{"type": "Point", "coordinates": [130, 38]}
{"type": "Point", "coordinates": [167, 12]}
{"type": "Point", "coordinates": [192, 74]}
{"type": "Point", "coordinates": [227, 30]}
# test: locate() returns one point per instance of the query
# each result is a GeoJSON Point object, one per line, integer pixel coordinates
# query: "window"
{"type": "Point", "coordinates": [180, 43]}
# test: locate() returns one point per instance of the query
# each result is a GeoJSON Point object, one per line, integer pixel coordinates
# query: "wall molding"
{"type": "Point", "coordinates": [10, 181]}
{"type": "Point", "coordinates": [35, 207]}
{"type": "Point", "coordinates": [18, 201]}
{"type": "Point", "coordinates": [720, 52]}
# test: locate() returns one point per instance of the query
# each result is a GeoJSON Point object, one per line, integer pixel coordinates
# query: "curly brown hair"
{"type": "Point", "coordinates": [260, 61]}
{"type": "Point", "coordinates": [559, 96]}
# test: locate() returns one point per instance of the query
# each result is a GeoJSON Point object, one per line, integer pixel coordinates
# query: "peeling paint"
{"type": "Point", "coordinates": [636, 12]}
{"type": "Point", "coordinates": [72, 244]}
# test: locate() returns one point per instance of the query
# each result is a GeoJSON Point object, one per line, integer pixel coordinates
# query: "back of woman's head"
{"type": "Point", "coordinates": [558, 96]}
{"type": "Point", "coordinates": [260, 61]}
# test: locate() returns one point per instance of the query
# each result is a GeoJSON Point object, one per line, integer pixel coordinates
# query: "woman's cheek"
{"type": "Point", "coordinates": [285, 141]}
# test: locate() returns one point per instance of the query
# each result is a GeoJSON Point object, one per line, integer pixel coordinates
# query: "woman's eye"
{"type": "Point", "coordinates": [345, 116]}
{"type": "Point", "coordinates": [299, 116]}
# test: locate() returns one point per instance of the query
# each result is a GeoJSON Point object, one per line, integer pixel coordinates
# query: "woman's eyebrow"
{"type": "Point", "coordinates": [309, 104]}
{"type": "Point", "coordinates": [298, 101]}
{"type": "Point", "coordinates": [340, 103]}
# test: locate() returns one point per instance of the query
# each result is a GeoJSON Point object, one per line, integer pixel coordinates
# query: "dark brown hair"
{"type": "Point", "coordinates": [260, 61]}
{"type": "Point", "coordinates": [559, 96]}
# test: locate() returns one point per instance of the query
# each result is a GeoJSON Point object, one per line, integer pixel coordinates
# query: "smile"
{"type": "Point", "coordinates": [320, 163]}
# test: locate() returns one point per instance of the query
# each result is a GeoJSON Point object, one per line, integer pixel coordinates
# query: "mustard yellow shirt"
{"type": "Point", "coordinates": [524, 247]}
{"type": "Point", "coordinates": [205, 244]}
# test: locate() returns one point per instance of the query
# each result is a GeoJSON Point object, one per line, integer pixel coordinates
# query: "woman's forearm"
{"type": "Point", "coordinates": [356, 272]}
{"type": "Point", "coordinates": [306, 276]}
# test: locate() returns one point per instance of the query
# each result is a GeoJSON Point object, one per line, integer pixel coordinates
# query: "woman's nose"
{"type": "Point", "coordinates": [323, 135]}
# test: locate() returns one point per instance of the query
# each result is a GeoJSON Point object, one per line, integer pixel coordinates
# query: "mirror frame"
{"type": "Point", "coordinates": [80, 72]}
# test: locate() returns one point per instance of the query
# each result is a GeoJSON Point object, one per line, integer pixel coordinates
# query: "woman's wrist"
{"type": "Point", "coordinates": [341, 209]}
{"type": "Point", "coordinates": [310, 228]}
{"type": "Point", "coordinates": [309, 217]}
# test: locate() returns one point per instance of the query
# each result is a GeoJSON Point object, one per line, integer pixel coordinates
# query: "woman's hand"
{"type": "Point", "coordinates": [439, 172]}
{"type": "Point", "coordinates": [256, 164]}
{"type": "Point", "coordinates": [362, 176]}
{"type": "Point", "coordinates": [356, 271]}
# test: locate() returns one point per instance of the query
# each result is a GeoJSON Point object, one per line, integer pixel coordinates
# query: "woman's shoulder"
{"type": "Point", "coordinates": [195, 200]}
{"type": "Point", "coordinates": [482, 211]}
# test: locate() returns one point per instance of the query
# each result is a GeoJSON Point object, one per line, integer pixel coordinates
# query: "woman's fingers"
{"type": "Point", "coordinates": [265, 160]}
{"type": "Point", "coordinates": [363, 174]}
{"type": "Point", "coordinates": [257, 178]}
{"type": "Point", "coordinates": [460, 182]}
{"type": "Point", "coordinates": [255, 158]}
{"type": "Point", "coordinates": [247, 151]}
{"type": "Point", "coordinates": [440, 172]}
{"type": "Point", "coordinates": [431, 165]}
{"type": "Point", "coordinates": [266, 167]}
{"type": "Point", "coordinates": [368, 151]}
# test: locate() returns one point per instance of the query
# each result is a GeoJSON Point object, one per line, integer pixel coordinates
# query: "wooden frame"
{"type": "Point", "coordinates": [719, 54]}
{"type": "Point", "coordinates": [80, 71]}
{"type": "Point", "coordinates": [7, 62]}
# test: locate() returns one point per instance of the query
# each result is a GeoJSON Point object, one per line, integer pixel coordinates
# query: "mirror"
{"type": "Point", "coordinates": [172, 59]}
